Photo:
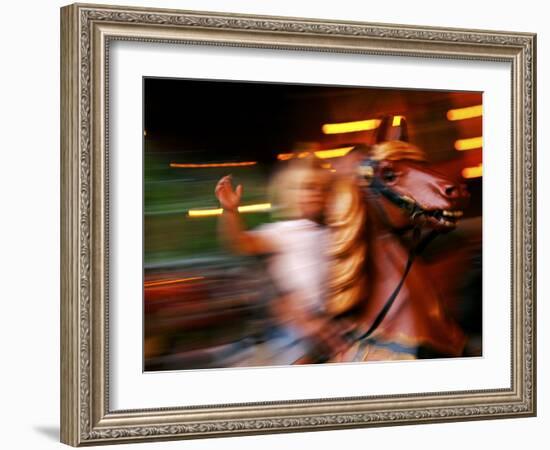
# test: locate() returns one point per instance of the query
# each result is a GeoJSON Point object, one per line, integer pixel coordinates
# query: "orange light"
{"type": "Point", "coordinates": [217, 211]}
{"type": "Point", "coordinates": [155, 283]}
{"type": "Point", "coordinates": [350, 127]}
{"type": "Point", "coordinates": [285, 156]}
{"type": "Point", "coordinates": [469, 144]}
{"type": "Point", "coordinates": [465, 113]}
{"type": "Point", "coordinates": [472, 172]}
{"type": "Point", "coordinates": [206, 165]}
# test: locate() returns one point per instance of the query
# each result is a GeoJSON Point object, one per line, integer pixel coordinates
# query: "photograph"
{"type": "Point", "coordinates": [293, 224]}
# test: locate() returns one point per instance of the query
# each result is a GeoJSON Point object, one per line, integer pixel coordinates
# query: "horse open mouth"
{"type": "Point", "coordinates": [444, 218]}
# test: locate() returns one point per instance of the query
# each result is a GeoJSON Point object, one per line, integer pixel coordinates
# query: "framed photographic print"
{"type": "Point", "coordinates": [277, 224]}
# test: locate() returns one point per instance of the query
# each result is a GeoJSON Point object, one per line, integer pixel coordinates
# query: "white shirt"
{"type": "Point", "coordinates": [300, 264]}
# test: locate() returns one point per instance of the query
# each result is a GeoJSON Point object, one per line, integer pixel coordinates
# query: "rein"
{"type": "Point", "coordinates": [391, 299]}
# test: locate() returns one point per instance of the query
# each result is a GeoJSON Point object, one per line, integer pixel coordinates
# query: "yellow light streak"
{"type": "Point", "coordinates": [350, 127]}
{"type": "Point", "coordinates": [468, 144]}
{"type": "Point", "coordinates": [206, 165]}
{"type": "Point", "coordinates": [396, 121]}
{"type": "Point", "coordinates": [204, 212]}
{"type": "Point", "coordinates": [323, 154]}
{"type": "Point", "coordinates": [217, 211]}
{"type": "Point", "coordinates": [155, 283]}
{"type": "Point", "coordinates": [254, 208]}
{"type": "Point", "coordinates": [358, 125]}
{"type": "Point", "coordinates": [472, 172]}
{"type": "Point", "coordinates": [465, 113]}
{"type": "Point", "coordinates": [333, 153]}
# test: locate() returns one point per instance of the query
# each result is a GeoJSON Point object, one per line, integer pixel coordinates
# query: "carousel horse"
{"type": "Point", "coordinates": [380, 222]}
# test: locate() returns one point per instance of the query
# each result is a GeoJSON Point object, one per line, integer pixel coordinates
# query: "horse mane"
{"type": "Point", "coordinates": [347, 221]}
{"type": "Point", "coordinates": [396, 151]}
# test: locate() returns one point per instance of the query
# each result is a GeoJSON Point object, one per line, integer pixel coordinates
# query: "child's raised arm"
{"type": "Point", "coordinates": [231, 228]}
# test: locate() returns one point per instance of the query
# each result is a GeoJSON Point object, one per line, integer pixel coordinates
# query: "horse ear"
{"type": "Point", "coordinates": [383, 130]}
{"type": "Point", "coordinates": [392, 128]}
{"type": "Point", "coordinates": [402, 130]}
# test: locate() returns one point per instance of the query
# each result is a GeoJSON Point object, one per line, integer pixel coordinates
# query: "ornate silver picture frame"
{"type": "Point", "coordinates": [87, 34]}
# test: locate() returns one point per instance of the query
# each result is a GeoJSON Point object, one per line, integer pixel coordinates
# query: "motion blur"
{"type": "Point", "coordinates": [279, 221]}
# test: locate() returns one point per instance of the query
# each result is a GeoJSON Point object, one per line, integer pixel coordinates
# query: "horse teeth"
{"type": "Point", "coordinates": [453, 213]}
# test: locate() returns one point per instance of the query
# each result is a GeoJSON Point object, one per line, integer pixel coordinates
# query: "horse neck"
{"type": "Point", "coordinates": [378, 230]}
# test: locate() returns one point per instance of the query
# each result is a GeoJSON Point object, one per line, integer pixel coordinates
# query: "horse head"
{"type": "Point", "coordinates": [398, 180]}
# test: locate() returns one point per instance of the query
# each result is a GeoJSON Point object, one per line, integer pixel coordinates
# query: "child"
{"type": "Point", "coordinates": [296, 248]}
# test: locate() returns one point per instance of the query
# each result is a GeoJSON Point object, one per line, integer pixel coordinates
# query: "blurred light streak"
{"type": "Point", "coordinates": [465, 113]}
{"type": "Point", "coordinates": [359, 125]}
{"type": "Point", "coordinates": [256, 207]}
{"type": "Point", "coordinates": [350, 127]}
{"type": "Point", "coordinates": [285, 156]}
{"type": "Point", "coordinates": [333, 153]}
{"type": "Point", "coordinates": [472, 172]}
{"type": "Point", "coordinates": [154, 283]}
{"type": "Point", "coordinates": [397, 121]}
{"type": "Point", "coordinates": [323, 154]}
{"type": "Point", "coordinates": [227, 164]}
{"type": "Point", "coordinates": [217, 211]}
{"type": "Point", "coordinates": [469, 144]}
{"type": "Point", "coordinates": [204, 212]}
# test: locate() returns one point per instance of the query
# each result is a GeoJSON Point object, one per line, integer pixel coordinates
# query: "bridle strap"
{"type": "Point", "coordinates": [401, 201]}
{"type": "Point", "coordinates": [378, 186]}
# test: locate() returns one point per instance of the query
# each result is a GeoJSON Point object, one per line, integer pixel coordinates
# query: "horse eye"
{"type": "Point", "coordinates": [389, 175]}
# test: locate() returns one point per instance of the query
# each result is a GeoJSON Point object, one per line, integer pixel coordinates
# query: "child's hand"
{"type": "Point", "coordinates": [229, 199]}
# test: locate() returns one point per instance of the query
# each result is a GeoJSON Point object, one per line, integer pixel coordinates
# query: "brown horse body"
{"type": "Point", "coordinates": [370, 253]}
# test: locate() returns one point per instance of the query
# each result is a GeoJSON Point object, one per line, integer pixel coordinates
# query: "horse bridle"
{"type": "Point", "coordinates": [370, 178]}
